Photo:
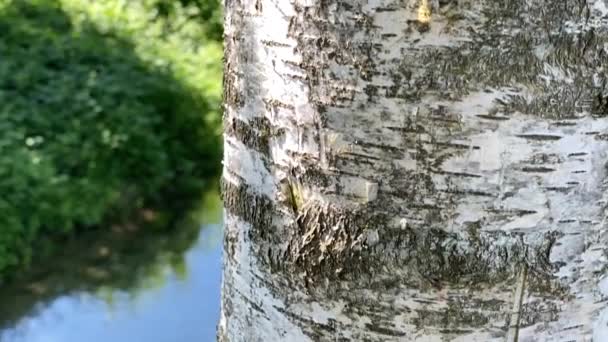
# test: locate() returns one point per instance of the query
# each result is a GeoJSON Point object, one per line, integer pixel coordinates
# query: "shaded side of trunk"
{"type": "Point", "coordinates": [402, 169]}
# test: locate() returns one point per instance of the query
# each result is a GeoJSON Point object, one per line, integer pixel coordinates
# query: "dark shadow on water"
{"type": "Point", "coordinates": [134, 275]}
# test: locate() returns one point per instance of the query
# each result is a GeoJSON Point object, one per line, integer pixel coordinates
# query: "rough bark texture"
{"type": "Point", "coordinates": [415, 170]}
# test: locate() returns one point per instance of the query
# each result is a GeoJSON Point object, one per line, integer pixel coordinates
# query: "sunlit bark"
{"type": "Point", "coordinates": [415, 170]}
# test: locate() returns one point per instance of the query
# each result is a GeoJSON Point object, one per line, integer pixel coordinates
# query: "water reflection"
{"type": "Point", "coordinates": [123, 286]}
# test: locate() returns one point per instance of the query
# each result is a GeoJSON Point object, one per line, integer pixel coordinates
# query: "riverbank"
{"type": "Point", "coordinates": [109, 114]}
{"type": "Point", "coordinates": [129, 259]}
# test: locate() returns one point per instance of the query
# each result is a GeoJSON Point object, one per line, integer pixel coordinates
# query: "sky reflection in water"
{"type": "Point", "coordinates": [178, 308]}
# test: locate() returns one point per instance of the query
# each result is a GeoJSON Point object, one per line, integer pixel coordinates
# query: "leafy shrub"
{"type": "Point", "coordinates": [205, 12]}
{"type": "Point", "coordinates": [105, 107]}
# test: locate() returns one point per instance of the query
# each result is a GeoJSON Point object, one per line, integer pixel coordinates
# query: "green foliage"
{"type": "Point", "coordinates": [106, 106]}
{"type": "Point", "coordinates": [205, 12]}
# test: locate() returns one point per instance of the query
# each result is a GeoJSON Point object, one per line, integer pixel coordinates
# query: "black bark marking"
{"type": "Point", "coordinates": [537, 169]}
{"type": "Point", "coordinates": [254, 135]}
{"type": "Point", "coordinates": [272, 43]}
{"type": "Point", "coordinates": [384, 330]}
{"type": "Point", "coordinates": [540, 137]}
{"type": "Point", "coordinates": [577, 154]}
{"type": "Point", "coordinates": [493, 117]}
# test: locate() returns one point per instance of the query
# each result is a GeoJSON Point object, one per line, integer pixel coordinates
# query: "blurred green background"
{"type": "Point", "coordinates": [109, 113]}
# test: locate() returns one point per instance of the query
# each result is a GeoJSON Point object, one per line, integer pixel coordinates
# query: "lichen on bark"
{"type": "Point", "coordinates": [392, 176]}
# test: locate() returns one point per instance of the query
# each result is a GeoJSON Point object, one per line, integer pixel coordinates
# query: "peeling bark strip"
{"type": "Point", "coordinates": [398, 170]}
{"type": "Point", "coordinates": [513, 335]}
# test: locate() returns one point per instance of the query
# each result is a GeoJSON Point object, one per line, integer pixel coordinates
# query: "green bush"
{"type": "Point", "coordinates": [206, 12]}
{"type": "Point", "coordinates": [106, 106]}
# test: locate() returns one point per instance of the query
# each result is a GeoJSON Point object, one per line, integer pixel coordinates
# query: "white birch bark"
{"type": "Point", "coordinates": [404, 170]}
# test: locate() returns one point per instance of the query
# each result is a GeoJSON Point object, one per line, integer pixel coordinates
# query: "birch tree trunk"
{"type": "Point", "coordinates": [400, 170]}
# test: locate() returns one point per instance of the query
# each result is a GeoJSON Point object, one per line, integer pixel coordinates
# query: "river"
{"type": "Point", "coordinates": [123, 285]}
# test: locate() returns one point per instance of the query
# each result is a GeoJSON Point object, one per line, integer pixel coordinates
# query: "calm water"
{"type": "Point", "coordinates": [126, 292]}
